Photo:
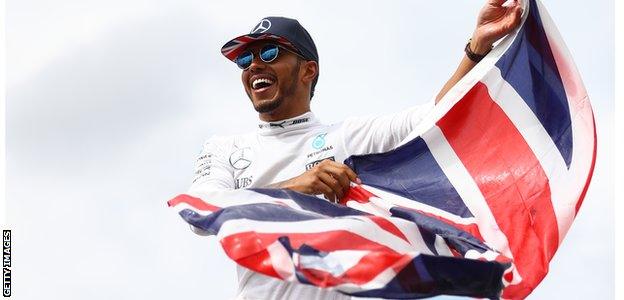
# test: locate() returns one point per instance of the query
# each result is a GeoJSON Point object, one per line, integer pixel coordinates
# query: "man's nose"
{"type": "Point", "coordinates": [256, 64]}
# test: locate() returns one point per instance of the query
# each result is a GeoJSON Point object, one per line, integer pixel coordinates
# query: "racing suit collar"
{"type": "Point", "coordinates": [305, 120]}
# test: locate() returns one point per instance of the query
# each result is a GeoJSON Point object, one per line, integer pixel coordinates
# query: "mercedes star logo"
{"type": "Point", "coordinates": [262, 27]}
{"type": "Point", "coordinates": [241, 158]}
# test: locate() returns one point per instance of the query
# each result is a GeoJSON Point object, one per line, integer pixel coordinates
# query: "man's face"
{"type": "Point", "coordinates": [271, 85]}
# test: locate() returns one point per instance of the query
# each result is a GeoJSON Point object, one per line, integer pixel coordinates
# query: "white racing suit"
{"type": "Point", "coordinates": [281, 150]}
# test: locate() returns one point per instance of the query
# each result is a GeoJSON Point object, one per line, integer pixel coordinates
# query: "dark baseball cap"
{"type": "Point", "coordinates": [285, 31]}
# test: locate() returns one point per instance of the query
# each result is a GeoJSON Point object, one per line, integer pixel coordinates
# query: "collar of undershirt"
{"type": "Point", "coordinates": [299, 122]}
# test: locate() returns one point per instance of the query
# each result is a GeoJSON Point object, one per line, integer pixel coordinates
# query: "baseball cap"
{"type": "Point", "coordinates": [285, 31]}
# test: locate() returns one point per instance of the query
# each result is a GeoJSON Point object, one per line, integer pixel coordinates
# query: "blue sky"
{"type": "Point", "coordinates": [108, 103]}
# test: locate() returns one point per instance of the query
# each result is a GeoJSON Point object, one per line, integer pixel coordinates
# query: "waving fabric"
{"type": "Point", "coordinates": [475, 202]}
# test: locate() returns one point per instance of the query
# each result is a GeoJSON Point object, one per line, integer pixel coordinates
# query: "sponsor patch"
{"type": "Point", "coordinates": [316, 162]}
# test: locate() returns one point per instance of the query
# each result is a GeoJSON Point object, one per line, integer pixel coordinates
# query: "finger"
{"type": "Point", "coordinates": [333, 183]}
{"type": "Point", "coordinates": [513, 4]}
{"type": "Point", "coordinates": [496, 3]}
{"type": "Point", "coordinates": [514, 8]}
{"type": "Point", "coordinates": [519, 9]}
{"type": "Point", "coordinates": [336, 166]}
{"type": "Point", "coordinates": [328, 192]}
{"type": "Point", "coordinates": [514, 17]}
{"type": "Point", "coordinates": [330, 197]}
{"type": "Point", "coordinates": [339, 173]}
{"type": "Point", "coordinates": [352, 175]}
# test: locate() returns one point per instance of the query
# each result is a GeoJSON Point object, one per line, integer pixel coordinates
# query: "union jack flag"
{"type": "Point", "coordinates": [233, 48]}
{"type": "Point", "coordinates": [475, 202]}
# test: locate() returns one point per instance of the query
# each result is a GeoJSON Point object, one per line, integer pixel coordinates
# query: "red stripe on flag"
{"type": "Point", "coordinates": [242, 247]}
{"type": "Point", "coordinates": [323, 240]}
{"type": "Point", "coordinates": [518, 194]}
{"type": "Point", "coordinates": [388, 226]}
{"type": "Point", "coordinates": [367, 269]}
{"type": "Point", "coordinates": [322, 278]}
{"type": "Point", "coordinates": [192, 201]}
{"type": "Point", "coordinates": [577, 100]}
{"type": "Point", "coordinates": [249, 251]}
{"type": "Point", "coordinates": [361, 195]}
{"type": "Point", "coordinates": [591, 170]}
{"type": "Point", "coordinates": [357, 193]}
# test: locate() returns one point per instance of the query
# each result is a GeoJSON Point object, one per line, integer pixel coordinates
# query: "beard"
{"type": "Point", "coordinates": [267, 106]}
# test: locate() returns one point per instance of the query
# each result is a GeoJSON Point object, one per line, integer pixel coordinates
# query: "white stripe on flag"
{"type": "Point", "coordinates": [562, 195]}
{"type": "Point", "coordinates": [335, 262]}
{"type": "Point", "coordinates": [407, 228]}
{"type": "Point", "coordinates": [468, 190]}
{"type": "Point", "coordinates": [389, 200]}
{"type": "Point", "coordinates": [281, 261]}
{"type": "Point", "coordinates": [582, 119]}
{"type": "Point", "coordinates": [226, 198]}
{"type": "Point", "coordinates": [354, 225]}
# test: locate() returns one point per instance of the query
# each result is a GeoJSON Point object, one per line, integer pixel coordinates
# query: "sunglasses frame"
{"type": "Point", "coordinates": [278, 47]}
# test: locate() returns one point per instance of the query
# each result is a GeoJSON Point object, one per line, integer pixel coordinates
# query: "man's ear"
{"type": "Point", "coordinates": [310, 70]}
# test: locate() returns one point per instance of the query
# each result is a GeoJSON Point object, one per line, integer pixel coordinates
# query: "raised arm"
{"type": "Point", "coordinates": [494, 22]}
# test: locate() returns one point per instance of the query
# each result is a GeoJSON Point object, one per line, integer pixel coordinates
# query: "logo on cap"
{"type": "Point", "coordinates": [262, 27]}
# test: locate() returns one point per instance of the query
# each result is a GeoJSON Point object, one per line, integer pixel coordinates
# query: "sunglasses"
{"type": "Point", "coordinates": [267, 54]}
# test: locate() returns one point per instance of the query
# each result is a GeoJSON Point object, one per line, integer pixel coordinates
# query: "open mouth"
{"type": "Point", "coordinates": [261, 82]}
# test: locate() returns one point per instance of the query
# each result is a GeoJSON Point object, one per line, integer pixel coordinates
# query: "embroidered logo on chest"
{"type": "Point", "coordinates": [241, 158]}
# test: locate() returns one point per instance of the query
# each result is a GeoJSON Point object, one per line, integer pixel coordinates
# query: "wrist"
{"type": "Point", "coordinates": [479, 46]}
{"type": "Point", "coordinates": [289, 184]}
{"type": "Point", "coordinates": [279, 185]}
{"type": "Point", "coordinates": [475, 51]}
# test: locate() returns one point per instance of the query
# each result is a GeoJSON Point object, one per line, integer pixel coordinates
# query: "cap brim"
{"type": "Point", "coordinates": [234, 47]}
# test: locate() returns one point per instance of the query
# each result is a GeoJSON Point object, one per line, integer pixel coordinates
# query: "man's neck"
{"type": "Point", "coordinates": [278, 115]}
{"type": "Point", "coordinates": [305, 120]}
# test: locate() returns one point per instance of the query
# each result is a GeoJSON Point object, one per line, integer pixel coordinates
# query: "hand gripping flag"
{"type": "Point", "coordinates": [475, 201]}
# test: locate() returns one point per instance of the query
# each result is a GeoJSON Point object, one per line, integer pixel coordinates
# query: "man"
{"type": "Point", "coordinates": [291, 149]}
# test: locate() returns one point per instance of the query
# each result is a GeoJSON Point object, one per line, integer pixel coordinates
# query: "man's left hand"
{"type": "Point", "coordinates": [494, 22]}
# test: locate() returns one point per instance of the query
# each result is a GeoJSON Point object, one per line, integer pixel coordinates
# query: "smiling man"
{"type": "Point", "coordinates": [291, 148]}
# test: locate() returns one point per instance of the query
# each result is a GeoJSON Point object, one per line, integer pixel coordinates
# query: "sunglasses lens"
{"type": "Point", "coordinates": [268, 53]}
{"type": "Point", "coordinates": [244, 60]}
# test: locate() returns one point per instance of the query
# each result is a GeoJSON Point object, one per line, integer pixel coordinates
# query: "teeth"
{"type": "Point", "coordinates": [256, 82]}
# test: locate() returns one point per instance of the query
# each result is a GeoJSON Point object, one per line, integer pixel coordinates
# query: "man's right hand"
{"type": "Point", "coordinates": [330, 178]}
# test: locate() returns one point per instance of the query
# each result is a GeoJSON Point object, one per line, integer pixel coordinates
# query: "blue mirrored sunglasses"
{"type": "Point", "coordinates": [267, 54]}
